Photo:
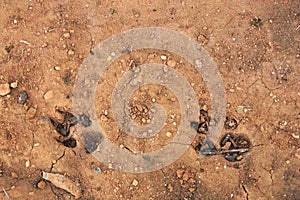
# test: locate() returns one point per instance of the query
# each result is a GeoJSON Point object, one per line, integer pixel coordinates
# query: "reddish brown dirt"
{"type": "Point", "coordinates": [259, 67]}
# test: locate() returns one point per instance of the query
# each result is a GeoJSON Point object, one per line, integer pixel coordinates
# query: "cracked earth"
{"type": "Point", "coordinates": [43, 43]}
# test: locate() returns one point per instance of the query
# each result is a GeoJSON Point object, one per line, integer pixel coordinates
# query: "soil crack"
{"type": "Point", "coordinates": [245, 190]}
{"type": "Point", "coordinates": [54, 163]}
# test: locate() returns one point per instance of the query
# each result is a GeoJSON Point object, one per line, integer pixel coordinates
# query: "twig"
{"type": "Point", "coordinates": [25, 42]}
{"type": "Point", "coordinates": [5, 193]}
{"type": "Point", "coordinates": [45, 118]}
{"type": "Point", "coordinates": [225, 151]}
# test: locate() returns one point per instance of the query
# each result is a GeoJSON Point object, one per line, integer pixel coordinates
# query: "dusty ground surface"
{"type": "Point", "coordinates": [43, 43]}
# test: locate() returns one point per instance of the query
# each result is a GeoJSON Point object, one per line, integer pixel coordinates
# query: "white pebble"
{"type": "Point", "coordinates": [27, 163]}
{"type": "Point", "coordinates": [163, 57]}
{"type": "Point", "coordinates": [135, 182]}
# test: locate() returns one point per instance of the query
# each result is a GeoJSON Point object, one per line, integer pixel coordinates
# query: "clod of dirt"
{"type": "Point", "coordinates": [31, 112]}
{"type": "Point", "coordinates": [91, 141]}
{"type": "Point", "coordinates": [41, 184]}
{"type": "Point", "coordinates": [140, 113]}
{"type": "Point", "coordinates": [204, 120]}
{"type": "Point", "coordinates": [230, 123]}
{"type": "Point", "coordinates": [71, 143]}
{"type": "Point", "coordinates": [257, 22]}
{"type": "Point", "coordinates": [23, 96]}
{"type": "Point", "coordinates": [14, 175]}
{"type": "Point", "coordinates": [198, 147]}
{"type": "Point", "coordinates": [69, 118]}
{"type": "Point", "coordinates": [171, 63]}
{"type": "Point", "coordinates": [48, 95]}
{"type": "Point", "coordinates": [204, 117]}
{"type": "Point", "coordinates": [202, 128]}
{"type": "Point", "coordinates": [85, 120]}
{"type": "Point", "coordinates": [62, 129]}
{"type": "Point", "coordinates": [231, 143]}
{"type": "Point", "coordinates": [226, 146]}
{"type": "Point", "coordinates": [67, 35]}
{"type": "Point", "coordinates": [64, 183]}
{"type": "Point", "coordinates": [185, 177]}
{"type": "Point", "coordinates": [180, 172]}
{"type": "Point", "coordinates": [4, 89]}
{"type": "Point", "coordinates": [104, 118]}
{"type": "Point", "coordinates": [241, 142]}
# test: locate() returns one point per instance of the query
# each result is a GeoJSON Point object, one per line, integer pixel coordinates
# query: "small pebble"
{"type": "Point", "coordinates": [296, 136]}
{"type": "Point", "coordinates": [4, 89]}
{"type": "Point", "coordinates": [135, 182]}
{"type": "Point", "coordinates": [48, 95]}
{"type": "Point", "coordinates": [151, 56]}
{"type": "Point", "coordinates": [23, 96]}
{"type": "Point", "coordinates": [170, 187]}
{"type": "Point", "coordinates": [168, 134]}
{"type": "Point", "coordinates": [14, 175]}
{"type": "Point", "coordinates": [171, 63]}
{"type": "Point", "coordinates": [163, 57]}
{"type": "Point", "coordinates": [92, 141]}
{"type": "Point", "coordinates": [57, 68]}
{"type": "Point", "coordinates": [31, 112]}
{"type": "Point", "coordinates": [71, 52]}
{"type": "Point", "coordinates": [67, 35]}
{"type": "Point", "coordinates": [97, 170]}
{"type": "Point", "coordinates": [185, 177]}
{"type": "Point", "coordinates": [14, 84]}
{"type": "Point", "coordinates": [85, 120]}
{"type": "Point", "coordinates": [104, 118]}
{"type": "Point", "coordinates": [27, 163]}
{"type": "Point", "coordinates": [180, 172]}
{"type": "Point", "coordinates": [143, 120]}
{"type": "Point", "coordinates": [239, 109]}
{"type": "Point", "coordinates": [108, 58]}
{"type": "Point", "coordinates": [239, 158]}
{"type": "Point", "coordinates": [41, 184]}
